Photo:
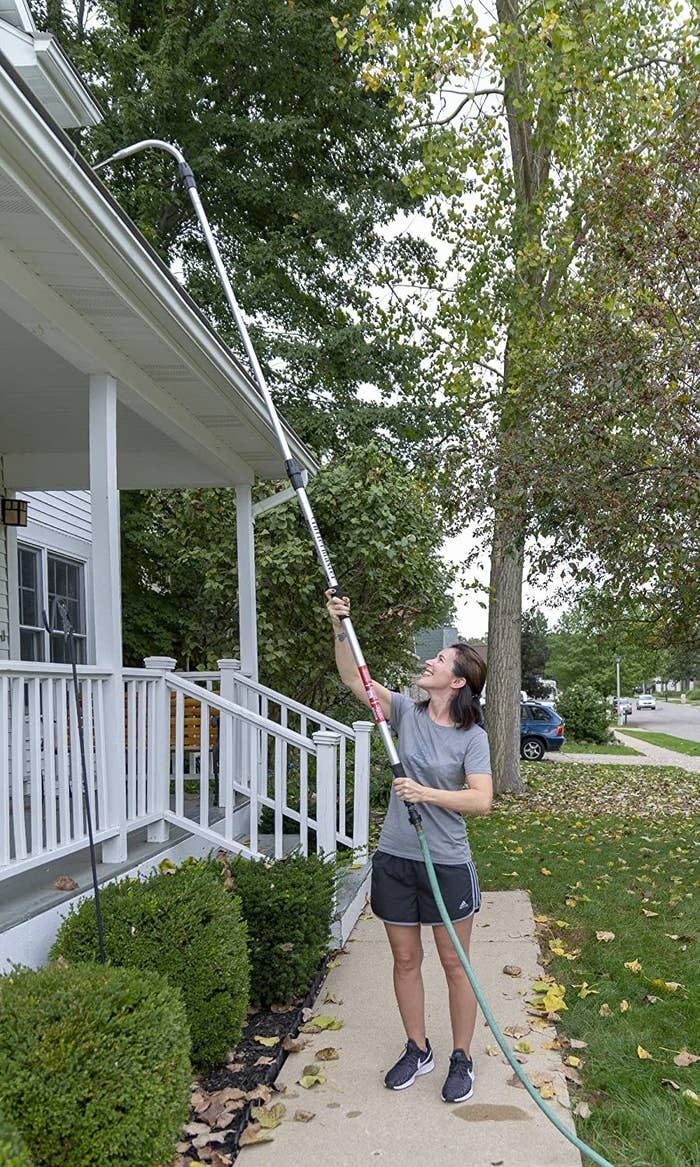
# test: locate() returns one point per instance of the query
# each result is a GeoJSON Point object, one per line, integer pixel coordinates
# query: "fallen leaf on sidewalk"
{"type": "Point", "coordinates": [303, 1115]}
{"type": "Point", "coordinates": [254, 1134]}
{"type": "Point", "coordinates": [512, 970]}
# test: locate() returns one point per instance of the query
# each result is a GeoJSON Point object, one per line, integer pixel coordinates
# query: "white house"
{"type": "Point", "coordinates": [111, 377]}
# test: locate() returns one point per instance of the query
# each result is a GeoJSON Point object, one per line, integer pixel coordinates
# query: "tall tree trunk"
{"type": "Point", "coordinates": [503, 685]}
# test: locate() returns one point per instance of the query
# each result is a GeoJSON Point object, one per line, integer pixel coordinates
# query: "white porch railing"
{"type": "Point", "coordinates": [224, 758]}
{"type": "Point", "coordinates": [41, 799]}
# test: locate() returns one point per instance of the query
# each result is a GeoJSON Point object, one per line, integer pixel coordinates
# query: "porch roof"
{"type": "Point", "coordinates": [82, 293]}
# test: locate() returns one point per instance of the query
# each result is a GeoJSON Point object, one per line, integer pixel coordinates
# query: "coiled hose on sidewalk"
{"type": "Point", "coordinates": [485, 1009]}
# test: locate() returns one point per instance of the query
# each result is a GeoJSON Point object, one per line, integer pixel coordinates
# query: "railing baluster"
{"type": "Point", "coordinates": [76, 778]}
{"type": "Point", "coordinates": [89, 737]}
{"type": "Point", "coordinates": [18, 823]}
{"type": "Point", "coordinates": [4, 771]}
{"type": "Point", "coordinates": [49, 736]}
{"type": "Point", "coordinates": [304, 800]}
{"type": "Point", "coordinates": [63, 760]}
{"type": "Point", "coordinates": [100, 754]}
{"type": "Point", "coordinates": [204, 765]}
{"type": "Point", "coordinates": [179, 753]}
{"type": "Point", "coordinates": [36, 796]}
{"type": "Point", "coordinates": [279, 798]}
{"type": "Point", "coordinates": [131, 754]}
{"type": "Point", "coordinates": [150, 775]}
{"type": "Point", "coordinates": [141, 728]}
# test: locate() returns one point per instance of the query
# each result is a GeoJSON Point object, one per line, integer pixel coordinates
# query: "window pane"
{"type": "Point", "coordinates": [66, 583]}
{"type": "Point", "coordinates": [60, 651]}
{"type": "Point", "coordinates": [29, 645]}
{"type": "Point", "coordinates": [29, 600]}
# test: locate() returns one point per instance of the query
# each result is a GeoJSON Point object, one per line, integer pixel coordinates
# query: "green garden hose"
{"type": "Point", "coordinates": [490, 1019]}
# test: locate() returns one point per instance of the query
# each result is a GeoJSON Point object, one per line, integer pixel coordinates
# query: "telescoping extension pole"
{"type": "Point", "coordinates": [294, 474]}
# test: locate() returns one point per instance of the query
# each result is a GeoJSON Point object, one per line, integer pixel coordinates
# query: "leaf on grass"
{"type": "Point", "coordinates": [646, 912]}
{"type": "Point", "coordinates": [692, 1097]}
{"type": "Point", "coordinates": [605, 1010]}
{"type": "Point", "coordinates": [582, 1109]}
{"type": "Point", "coordinates": [624, 1006]}
{"type": "Point", "coordinates": [545, 871]}
{"type": "Point", "coordinates": [570, 902]}
{"type": "Point", "coordinates": [633, 966]}
{"type": "Point", "coordinates": [254, 1134]}
{"type": "Point", "coordinates": [606, 936]}
{"type": "Point", "coordinates": [586, 991]}
{"type": "Point", "coordinates": [683, 1058]}
{"type": "Point", "coordinates": [670, 1082]}
{"type": "Point", "coordinates": [266, 1041]}
{"type": "Point", "coordinates": [576, 1044]}
{"type": "Point", "coordinates": [644, 1054]}
{"type": "Point", "coordinates": [669, 986]}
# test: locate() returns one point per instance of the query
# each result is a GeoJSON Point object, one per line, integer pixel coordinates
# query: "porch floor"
{"type": "Point", "coordinates": [32, 892]}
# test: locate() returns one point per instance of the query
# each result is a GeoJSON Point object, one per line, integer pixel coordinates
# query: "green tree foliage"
{"type": "Point", "coordinates": [539, 104]}
{"type": "Point", "coordinates": [383, 534]}
{"type": "Point", "coordinates": [534, 651]}
{"type": "Point", "coordinates": [591, 634]}
{"type": "Point", "coordinates": [300, 168]}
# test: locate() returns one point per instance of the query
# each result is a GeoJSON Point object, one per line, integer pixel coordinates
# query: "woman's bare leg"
{"type": "Point", "coordinates": [461, 994]}
{"type": "Point", "coordinates": [407, 951]}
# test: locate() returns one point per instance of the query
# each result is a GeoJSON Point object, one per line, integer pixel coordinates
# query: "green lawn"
{"type": "Point", "coordinates": [571, 746]}
{"type": "Point", "coordinates": [615, 849]}
{"type": "Point", "coordinates": [681, 745]}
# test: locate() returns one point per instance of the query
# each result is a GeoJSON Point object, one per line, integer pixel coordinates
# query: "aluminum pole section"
{"type": "Point", "coordinates": [294, 472]}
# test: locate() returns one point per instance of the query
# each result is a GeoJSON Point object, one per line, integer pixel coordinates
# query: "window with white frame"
{"type": "Point", "coordinates": [45, 576]}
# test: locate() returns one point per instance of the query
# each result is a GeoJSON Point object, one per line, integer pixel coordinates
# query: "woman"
{"type": "Point", "coordinates": [444, 751]}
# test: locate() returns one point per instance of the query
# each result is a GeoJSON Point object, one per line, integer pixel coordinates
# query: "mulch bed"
{"type": "Point", "coordinates": [222, 1099]}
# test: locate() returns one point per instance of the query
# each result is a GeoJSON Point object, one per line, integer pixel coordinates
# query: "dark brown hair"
{"type": "Point", "coordinates": [465, 706]}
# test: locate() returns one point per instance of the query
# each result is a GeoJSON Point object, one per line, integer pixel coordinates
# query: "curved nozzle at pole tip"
{"type": "Point", "coordinates": [147, 144]}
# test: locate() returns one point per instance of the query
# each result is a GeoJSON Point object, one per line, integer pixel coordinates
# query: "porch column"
{"type": "Point", "coordinates": [106, 596]}
{"type": "Point", "coordinates": [247, 617]}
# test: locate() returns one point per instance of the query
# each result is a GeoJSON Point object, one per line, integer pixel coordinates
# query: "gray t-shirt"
{"type": "Point", "coordinates": [439, 756]}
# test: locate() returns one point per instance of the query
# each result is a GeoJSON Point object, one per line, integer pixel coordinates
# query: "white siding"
{"type": "Point", "coordinates": [4, 595]}
{"type": "Point", "coordinates": [67, 511]}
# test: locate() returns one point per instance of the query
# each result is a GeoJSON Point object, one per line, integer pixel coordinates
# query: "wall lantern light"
{"type": "Point", "coordinates": [14, 512]}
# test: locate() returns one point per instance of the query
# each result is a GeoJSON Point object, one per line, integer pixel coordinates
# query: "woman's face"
{"type": "Point", "coordinates": [438, 673]}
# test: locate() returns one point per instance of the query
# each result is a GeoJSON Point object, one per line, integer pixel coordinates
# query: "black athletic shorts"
{"type": "Point", "coordinates": [401, 892]}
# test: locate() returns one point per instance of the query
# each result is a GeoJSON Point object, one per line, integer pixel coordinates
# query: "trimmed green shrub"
{"type": "Point", "coordinates": [693, 695]}
{"type": "Point", "coordinates": [585, 712]}
{"type": "Point", "coordinates": [94, 1062]}
{"type": "Point", "coordinates": [184, 924]}
{"type": "Point", "coordinates": [287, 906]}
{"type": "Point", "coordinates": [13, 1152]}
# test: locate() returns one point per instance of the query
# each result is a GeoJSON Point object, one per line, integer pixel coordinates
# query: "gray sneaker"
{"type": "Point", "coordinates": [412, 1063]}
{"type": "Point", "coordinates": [459, 1083]}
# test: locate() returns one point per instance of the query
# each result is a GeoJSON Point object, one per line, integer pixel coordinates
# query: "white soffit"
{"type": "Point", "coordinates": [49, 74]}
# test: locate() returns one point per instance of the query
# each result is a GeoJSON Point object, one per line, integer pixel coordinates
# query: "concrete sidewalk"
{"type": "Point", "coordinates": [649, 756]}
{"type": "Point", "coordinates": [358, 1122]}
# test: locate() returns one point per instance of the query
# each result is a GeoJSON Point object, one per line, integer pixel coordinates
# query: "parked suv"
{"type": "Point", "coordinates": [646, 701]}
{"type": "Point", "coordinates": [541, 729]}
